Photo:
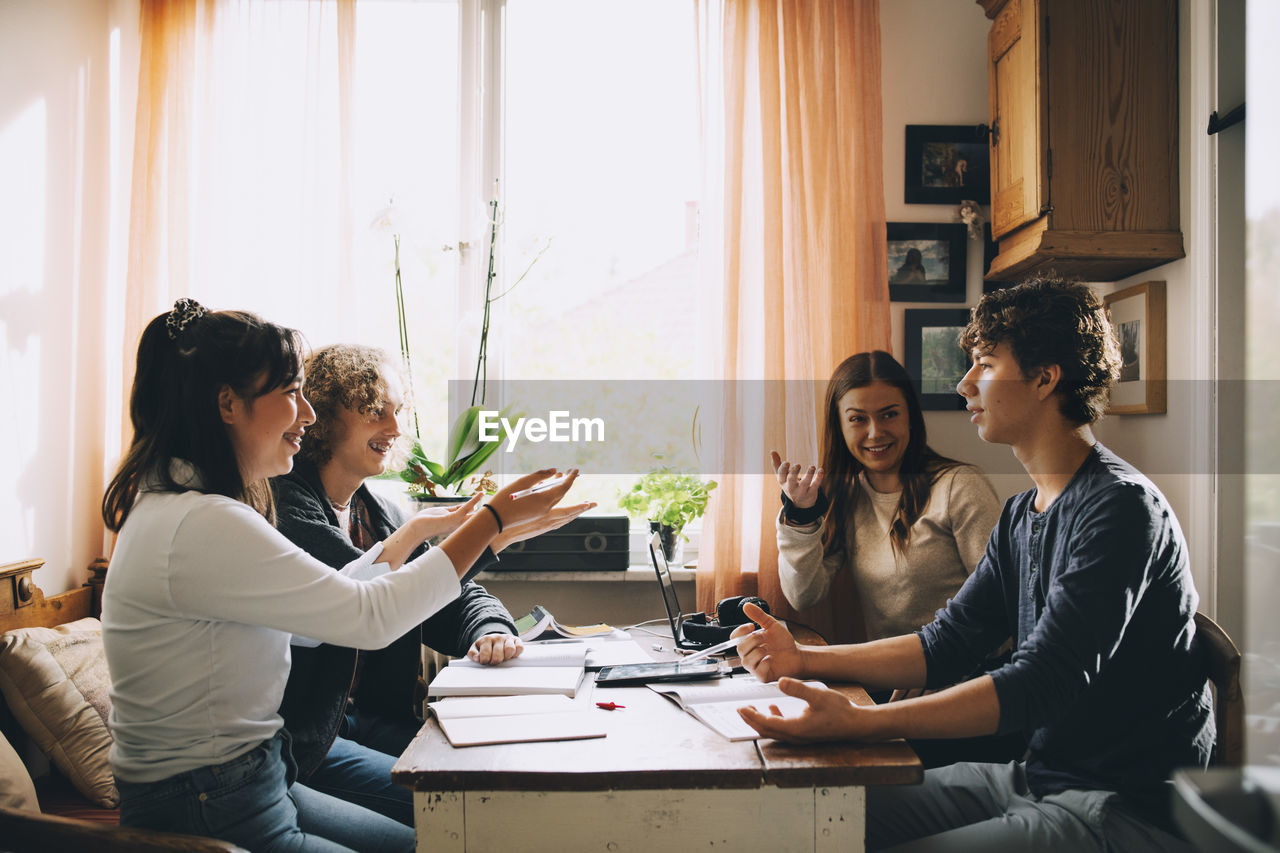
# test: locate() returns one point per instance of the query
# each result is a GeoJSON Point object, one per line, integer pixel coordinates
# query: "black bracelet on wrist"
{"type": "Point", "coordinates": [496, 517]}
{"type": "Point", "coordinates": [805, 515]}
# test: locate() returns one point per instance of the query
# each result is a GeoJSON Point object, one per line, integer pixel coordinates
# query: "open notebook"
{"type": "Point", "coordinates": [716, 702]}
{"type": "Point", "coordinates": [482, 720]}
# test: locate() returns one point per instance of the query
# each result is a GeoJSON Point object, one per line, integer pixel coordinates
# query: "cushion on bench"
{"type": "Point", "coordinates": [55, 682]}
{"type": "Point", "coordinates": [16, 790]}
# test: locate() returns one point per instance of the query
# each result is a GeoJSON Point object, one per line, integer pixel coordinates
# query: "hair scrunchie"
{"type": "Point", "coordinates": [184, 313]}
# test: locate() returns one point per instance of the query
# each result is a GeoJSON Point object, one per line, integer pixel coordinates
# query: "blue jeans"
{"type": "Point", "coordinates": [967, 808]}
{"type": "Point", "coordinates": [357, 767]}
{"type": "Point", "coordinates": [251, 801]}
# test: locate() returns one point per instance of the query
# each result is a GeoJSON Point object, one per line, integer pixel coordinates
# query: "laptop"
{"type": "Point", "coordinates": [669, 600]}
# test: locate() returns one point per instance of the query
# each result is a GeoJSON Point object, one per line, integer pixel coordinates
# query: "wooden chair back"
{"type": "Point", "coordinates": [1224, 672]}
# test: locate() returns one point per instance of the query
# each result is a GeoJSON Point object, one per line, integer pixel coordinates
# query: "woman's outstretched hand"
{"type": "Point", "coordinates": [555, 517]}
{"type": "Point", "coordinates": [515, 504]}
{"type": "Point", "coordinates": [511, 508]}
{"type": "Point", "coordinates": [800, 485]}
{"type": "Point", "coordinates": [443, 519]}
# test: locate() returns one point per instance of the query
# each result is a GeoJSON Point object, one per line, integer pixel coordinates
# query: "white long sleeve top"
{"type": "Point", "coordinates": [898, 592]}
{"type": "Point", "coordinates": [198, 608]}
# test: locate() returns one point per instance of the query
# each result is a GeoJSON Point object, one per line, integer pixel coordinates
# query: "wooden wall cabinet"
{"type": "Point", "coordinates": [1084, 140]}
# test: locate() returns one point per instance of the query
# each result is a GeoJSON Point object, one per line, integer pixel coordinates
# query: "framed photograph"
{"type": "Point", "coordinates": [933, 355]}
{"type": "Point", "coordinates": [946, 164]}
{"type": "Point", "coordinates": [1138, 321]}
{"type": "Point", "coordinates": [926, 262]}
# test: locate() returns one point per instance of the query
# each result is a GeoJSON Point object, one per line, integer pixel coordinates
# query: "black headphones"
{"type": "Point", "coordinates": [700, 629]}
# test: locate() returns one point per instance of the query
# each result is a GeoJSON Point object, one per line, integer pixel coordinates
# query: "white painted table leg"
{"type": "Point", "coordinates": [839, 820]}
{"type": "Point", "coordinates": [440, 821]}
{"type": "Point", "coordinates": [768, 818]}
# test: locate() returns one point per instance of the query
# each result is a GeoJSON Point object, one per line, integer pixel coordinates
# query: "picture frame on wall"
{"type": "Point", "coordinates": [926, 261]}
{"type": "Point", "coordinates": [1139, 323]}
{"type": "Point", "coordinates": [946, 164]}
{"type": "Point", "coordinates": [933, 355]}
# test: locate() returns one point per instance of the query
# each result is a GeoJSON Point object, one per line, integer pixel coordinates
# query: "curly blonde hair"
{"type": "Point", "coordinates": [343, 376]}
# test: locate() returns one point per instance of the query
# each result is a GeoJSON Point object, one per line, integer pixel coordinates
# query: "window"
{"type": "Point", "coordinates": [305, 167]}
{"type": "Point", "coordinates": [600, 151]}
{"type": "Point", "coordinates": [406, 134]}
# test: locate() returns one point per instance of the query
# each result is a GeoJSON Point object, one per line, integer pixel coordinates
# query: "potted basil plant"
{"type": "Point", "coordinates": [669, 499]}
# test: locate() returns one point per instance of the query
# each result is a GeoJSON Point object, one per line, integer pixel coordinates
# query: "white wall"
{"type": "Point", "coordinates": [56, 183]}
{"type": "Point", "coordinates": [934, 71]}
{"type": "Point", "coordinates": [1205, 332]}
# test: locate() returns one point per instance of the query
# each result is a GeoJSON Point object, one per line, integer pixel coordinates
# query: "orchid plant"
{"type": "Point", "coordinates": [459, 474]}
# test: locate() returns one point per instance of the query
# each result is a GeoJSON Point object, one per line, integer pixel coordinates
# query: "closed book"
{"type": "Point", "coordinates": [546, 669]}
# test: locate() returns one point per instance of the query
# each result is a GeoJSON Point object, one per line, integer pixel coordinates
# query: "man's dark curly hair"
{"type": "Point", "coordinates": [342, 376]}
{"type": "Point", "coordinates": [1048, 320]}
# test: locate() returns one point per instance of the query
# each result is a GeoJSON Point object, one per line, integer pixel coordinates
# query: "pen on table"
{"type": "Point", "coordinates": [720, 647]}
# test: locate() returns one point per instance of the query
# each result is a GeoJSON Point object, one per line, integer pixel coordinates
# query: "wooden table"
{"type": "Point", "coordinates": [660, 780]}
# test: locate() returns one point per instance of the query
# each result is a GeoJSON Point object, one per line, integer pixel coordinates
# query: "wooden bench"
{"type": "Point", "coordinates": [68, 821]}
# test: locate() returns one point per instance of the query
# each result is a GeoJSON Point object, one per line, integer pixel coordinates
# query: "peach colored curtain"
{"type": "Point", "coordinates": [227, 91]}
{"type": "Point", "coordinates": [799, 210]}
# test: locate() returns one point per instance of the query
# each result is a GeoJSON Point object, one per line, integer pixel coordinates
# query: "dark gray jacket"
{"type": "Point", "coordinates": [320, 679]}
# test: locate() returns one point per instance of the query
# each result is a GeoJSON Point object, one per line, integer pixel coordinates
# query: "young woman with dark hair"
{"type": "Point", "coordinates": [909, 523]}
{"type": "Point", "coordinates": [204, 593]}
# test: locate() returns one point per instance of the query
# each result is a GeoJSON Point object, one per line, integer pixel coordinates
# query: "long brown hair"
{"type": "Point", "coordinates": [921, 465]}
{"type": "Point", "coordinates": [174, 402]}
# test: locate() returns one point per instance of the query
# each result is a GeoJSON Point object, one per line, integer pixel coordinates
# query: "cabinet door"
{"type": "Point", "coordinates": [1013, 69]}
{"type": "Point", "coordinates": [1111, 98]}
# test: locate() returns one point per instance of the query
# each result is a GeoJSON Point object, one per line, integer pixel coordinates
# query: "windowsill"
{"type": "Point", "coordinates": [633, 574]}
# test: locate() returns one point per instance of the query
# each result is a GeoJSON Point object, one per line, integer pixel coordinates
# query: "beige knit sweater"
{"type": "Point", "coordinates": [899, 593]}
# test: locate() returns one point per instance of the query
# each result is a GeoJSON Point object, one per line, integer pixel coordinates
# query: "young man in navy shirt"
{"type": "Point", "coordinates": [1088, 573]}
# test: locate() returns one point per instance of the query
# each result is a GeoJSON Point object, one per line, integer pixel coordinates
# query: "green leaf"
{"type": "Point", "coordinates": [464, 437]}
{"type": "Point", "coordinates": [463, 427]}
{"type": "Point", "coordinates": [472, 463]}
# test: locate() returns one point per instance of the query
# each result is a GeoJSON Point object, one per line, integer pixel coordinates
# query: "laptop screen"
{"type": "Point", "coordinates": [669, 599]}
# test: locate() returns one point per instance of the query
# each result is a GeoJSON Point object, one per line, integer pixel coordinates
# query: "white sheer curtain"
{"type": "Point", "coordinates": [271, 140]}
{"type": "Point", "coordinates": [791, 116]}
{"type": "Point", "coordinates": [242, 165]}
